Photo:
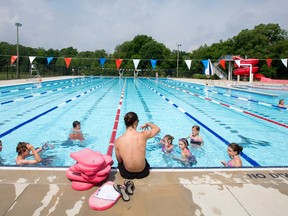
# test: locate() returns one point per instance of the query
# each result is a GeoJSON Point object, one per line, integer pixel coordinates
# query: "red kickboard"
{"type": "Point", "coordinates": [104, 198]}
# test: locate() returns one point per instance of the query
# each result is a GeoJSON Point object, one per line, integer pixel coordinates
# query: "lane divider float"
{"type": "Point", "coordinates": [116, 122]}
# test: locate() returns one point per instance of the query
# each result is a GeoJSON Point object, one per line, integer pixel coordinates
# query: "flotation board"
{"type": "Point", "coordinates": [88, 158]}
{"type": "Point", "coordinates": [104, 197]}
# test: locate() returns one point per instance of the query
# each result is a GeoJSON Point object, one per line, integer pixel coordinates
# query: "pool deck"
{"type": "Point", "coordinates": [164, 192]}
{"type": "Point", "coordinates": [219, 191]}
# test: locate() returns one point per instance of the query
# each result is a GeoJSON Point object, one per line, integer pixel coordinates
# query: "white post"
{"type": "Point", "coordinates": [178, 45]}
{"type": "Point", "coordinates": [251, 74]}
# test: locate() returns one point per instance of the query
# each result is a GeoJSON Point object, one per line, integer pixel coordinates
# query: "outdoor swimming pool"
{"type": "Point", "coordinates": [39, 114]}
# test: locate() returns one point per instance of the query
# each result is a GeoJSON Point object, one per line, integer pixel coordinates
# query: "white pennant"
{"type": "Point", "coordinates": [284, 61]}
{"type": "Point", "coordinates": [31, 58]}
{"type": "Point", "coordinates": [188, 63]}
{"type": "Point", "coordinates": [237, 62]}
{"type": "Point", "coordinates": [136, 62]}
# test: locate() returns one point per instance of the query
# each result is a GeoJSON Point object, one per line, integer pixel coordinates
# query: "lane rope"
{"type": "Point", "coordinates": [246, 157]}
{"type": "Point", "coordinates": [116, 122]}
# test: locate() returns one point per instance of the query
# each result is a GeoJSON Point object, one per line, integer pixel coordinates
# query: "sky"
{"type": "Point", "coordinates": [89, 25]}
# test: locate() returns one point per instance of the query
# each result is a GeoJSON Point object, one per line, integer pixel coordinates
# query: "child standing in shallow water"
{"type": "Point", "coordinates": [195, 139]}
{"type": "Point", "coordinates": [187, 157]}
{"type": "Point", "coordinates": [76, 133]}
{"type": "Point", "coordinates": [233, 151]}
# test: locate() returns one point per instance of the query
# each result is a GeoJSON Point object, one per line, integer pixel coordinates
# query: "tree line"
{"type": "Point", "coordinates": [262, 42]}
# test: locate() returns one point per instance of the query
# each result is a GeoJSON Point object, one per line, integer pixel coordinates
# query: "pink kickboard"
{"type": "Point", "coordinates": [76, 176]}
{"type": "Point", "coordinates": [108, 159]}
{"type": "Point", "coordinates": [104, 197]}
{"type": "Point", "coordinates": [88, 157]}
{"type": "Point", "coordinates": [104, 172]}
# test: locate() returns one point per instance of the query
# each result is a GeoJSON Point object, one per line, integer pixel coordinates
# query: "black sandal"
{"type": "Point", "coordinates": [130, 187]}
{"type": "Point", "coordinates": [121, 189]}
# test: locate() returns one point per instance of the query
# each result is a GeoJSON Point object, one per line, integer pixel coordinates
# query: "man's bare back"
{"type": "Point", "coordinates": [130, 148]}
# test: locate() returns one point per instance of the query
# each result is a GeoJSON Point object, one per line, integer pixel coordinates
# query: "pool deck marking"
{"type": "Point", "coordinates": [232, 96]}
{"type": "Point", "coordinates": [48, 111]}
{"type": "Point", "coordinates": [115, 126]}
{"type": "Point", "coordinates": [246, 157]}
{"type": "Point", "coordinates": [42, 93]}
{"type": "Point", "coordinates": [228, 106]}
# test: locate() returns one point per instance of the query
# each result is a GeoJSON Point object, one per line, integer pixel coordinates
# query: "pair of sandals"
{"type": "Point", "coordinates": [125, 190]}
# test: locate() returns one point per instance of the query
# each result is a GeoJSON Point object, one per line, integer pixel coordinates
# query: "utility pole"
{"type": "Point", "coordinates": [178, 45]}
{"type": "Point", "coordinates": [17, 69]}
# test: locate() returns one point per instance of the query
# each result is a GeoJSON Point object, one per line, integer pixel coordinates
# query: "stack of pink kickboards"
{"type": "Point", "coordinates": [90, 169]}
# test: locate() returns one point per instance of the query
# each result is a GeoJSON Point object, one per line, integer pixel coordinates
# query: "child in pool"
{"type": "Point", "coordinates": [187, 157]}
{"type": "Point", "coordinates": [233, 151]}
{"type": "Point", "coordinates": [76, 133]}
{"type": "Point", "coordinates": [167, 143]}
{"type": "Point", "coordinates": [281, 103]}
{"type": "Point", "coordinates": [195, 139]}
{"type": "Point", "coordinates": [23, 149]}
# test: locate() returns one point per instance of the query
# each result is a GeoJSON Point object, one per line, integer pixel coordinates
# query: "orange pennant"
{"type": "Point", "coordinates": [13, 59]}
{"type": "Point", "coordinates": [68, 61]}
{"type": "Point", "coordinates": [269, 61]}
{"type": "Point", "coordinates": [223, 63]}
{"type": "Point", "coordinates": [118, 63]}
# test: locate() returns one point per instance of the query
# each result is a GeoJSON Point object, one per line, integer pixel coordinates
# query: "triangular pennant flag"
{"type": "Point", "coordinates": [223, 63]}
{"type": "Point", "coordinates": [237, 62]}
{"type": "Point", "coordinates": [118, 63]}
{"type": "Point", "coordinates": [188, 63]}
{"type": "Point", "coordinates": [13, 59]}
{"type": "Point", "coordinates": [153, 63]}
{"type": "Point", "coordinates": [269, 61]}
{"type": "Point", "coordinates": [68, 61]}
{"type": "Point", "coordinates": [284, 61]}
{"type": "Point", "coordinates": [136, 62]}
{"type": "Point", "coordinates": [205, 63]}
{"type": "Point", "coordinates": [102, 61]}
{"type": "Point", "coordinates": [31, 58]}
{"type": "Point", "coordinates": [49, 59]}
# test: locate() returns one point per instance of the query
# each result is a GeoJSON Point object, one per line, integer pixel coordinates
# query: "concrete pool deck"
{"type": "Point", "coordinates": [164, 192]}
{"type": "Point", "coordinates": [222, 191]}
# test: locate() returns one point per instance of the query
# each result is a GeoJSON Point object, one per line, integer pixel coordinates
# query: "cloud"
{"type": "Point", "coordinates": [89, 25]}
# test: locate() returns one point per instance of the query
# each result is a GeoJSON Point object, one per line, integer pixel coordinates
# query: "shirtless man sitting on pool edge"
{"type": "Point", "coordinates": [130, 148]}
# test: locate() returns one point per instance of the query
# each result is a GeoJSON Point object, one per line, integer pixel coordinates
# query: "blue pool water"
{"type": "Point", "coordinates": [39, 114]}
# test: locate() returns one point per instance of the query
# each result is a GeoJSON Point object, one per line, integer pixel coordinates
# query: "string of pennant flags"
{"type": "Point", "coordinates": [153, 62]}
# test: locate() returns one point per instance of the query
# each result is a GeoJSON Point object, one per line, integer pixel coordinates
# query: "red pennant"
{"type": "Point", "coordinates": [118, 63]}
{"type": "Point", "coordinates": [68, 61]}
{"type": "Point", "coordinates": [269, 61]}
{"type": "Point", "coordinates": [13, 59]}
{"type": "Point", "coordinates": [222, 63]}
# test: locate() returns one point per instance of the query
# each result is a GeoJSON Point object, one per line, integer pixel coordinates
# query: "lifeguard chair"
{"type": "Point", "coordinates": [35, 74]}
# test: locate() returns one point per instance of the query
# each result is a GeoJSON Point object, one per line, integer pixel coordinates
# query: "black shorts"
{"type": "Point", "coordinates": [132, 175]}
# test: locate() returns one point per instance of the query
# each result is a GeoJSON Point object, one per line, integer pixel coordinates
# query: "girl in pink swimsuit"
{"type": "Point", "coordinates": [188, 159]}
{"type": "Point", "coordinates": [233, 151]}
{"type": "Point", "coordinates": [167, 143]}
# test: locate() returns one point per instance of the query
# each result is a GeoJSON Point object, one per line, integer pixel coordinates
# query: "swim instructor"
{"type": "Point", "coordinates": [130, 148]}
